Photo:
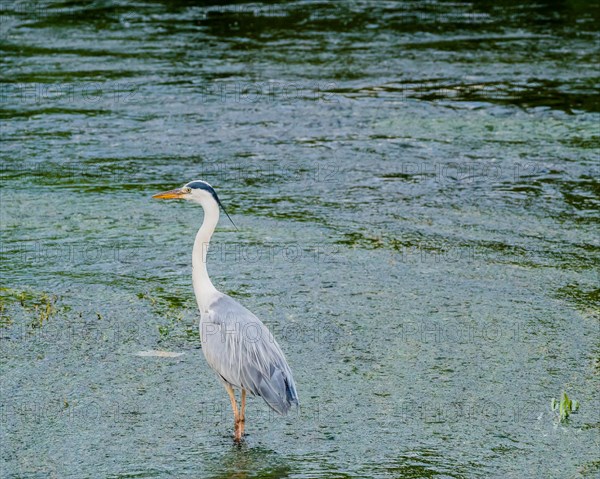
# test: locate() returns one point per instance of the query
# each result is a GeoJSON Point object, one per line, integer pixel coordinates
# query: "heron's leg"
{"type": "Point", "coordinates": [243, 411]}
{"type": "Point", "coordinates": [236, 414]}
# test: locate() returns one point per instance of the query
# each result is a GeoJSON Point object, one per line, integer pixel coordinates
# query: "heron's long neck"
{"type": "Point", "coordinates": [203, 287]}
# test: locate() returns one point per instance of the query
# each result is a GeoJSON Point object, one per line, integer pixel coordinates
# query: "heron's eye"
{"type": "Point", "coordinates": [186, 189]}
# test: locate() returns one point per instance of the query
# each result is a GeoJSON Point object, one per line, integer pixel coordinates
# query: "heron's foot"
{"type": "Point", "coordinates": [238, 430]}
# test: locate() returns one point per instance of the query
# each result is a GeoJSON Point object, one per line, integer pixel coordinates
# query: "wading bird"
{"type": "Point", "coordinates": [236, 344]}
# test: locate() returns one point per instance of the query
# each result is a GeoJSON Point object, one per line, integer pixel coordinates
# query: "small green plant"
{"type": "Point", "coordinates": [166, 329]}
{"type": "Point", "coordinates": [40, 306]}
{"type": "Point", "coordinates": [163, 330]}
{"type": "Point", "coordinates": [44, 309]}
{"type": "Point", "coordinates": [170, 307]}
{"type": "Point", "coordinates": [565, 407]}
{"type": "Point", "coordinates": [4, 319]}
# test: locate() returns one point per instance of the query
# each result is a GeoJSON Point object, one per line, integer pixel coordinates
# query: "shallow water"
{"type": "Point", "coordinates": [416, 190]}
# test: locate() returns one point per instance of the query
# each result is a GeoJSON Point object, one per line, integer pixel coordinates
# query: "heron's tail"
{"type": "Point", "coordinates": [279, 392]}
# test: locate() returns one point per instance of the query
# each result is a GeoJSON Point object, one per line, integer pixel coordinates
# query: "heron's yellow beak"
{"type": "Point", "coordinates": [169, 195]}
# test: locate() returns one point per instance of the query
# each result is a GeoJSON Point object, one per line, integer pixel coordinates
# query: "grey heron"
{"type": "Point", "coordinates": [236, 344]}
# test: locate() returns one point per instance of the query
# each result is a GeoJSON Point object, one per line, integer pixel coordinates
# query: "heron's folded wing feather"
{"type": "Point", "coordinates": [239, 347]}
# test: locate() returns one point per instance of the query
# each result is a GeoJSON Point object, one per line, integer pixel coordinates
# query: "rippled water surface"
{"type": "Point", "coordinates": [416, 190]}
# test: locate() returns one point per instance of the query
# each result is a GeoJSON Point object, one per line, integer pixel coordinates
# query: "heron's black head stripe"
{"type": "Point", "coordinates": [201, 185]}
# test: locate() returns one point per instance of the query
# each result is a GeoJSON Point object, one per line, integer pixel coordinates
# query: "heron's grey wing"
{"type": "Point", "coordinates": [240, 348]}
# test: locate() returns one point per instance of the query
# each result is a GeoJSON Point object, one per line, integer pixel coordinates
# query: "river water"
{"type": "Point", "coordinates": [416, 190]}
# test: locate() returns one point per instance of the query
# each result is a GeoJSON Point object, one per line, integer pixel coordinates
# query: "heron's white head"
{"type": "Point", "coordinates": [198, 191]}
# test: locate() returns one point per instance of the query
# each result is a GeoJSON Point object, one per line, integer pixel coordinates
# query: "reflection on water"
{"type": "Point", "coordinates": [416, 187]}
{"type": "Point", "coordinates": [423, 463]}
{"type": "Point", "coordinates": [245, 462]}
